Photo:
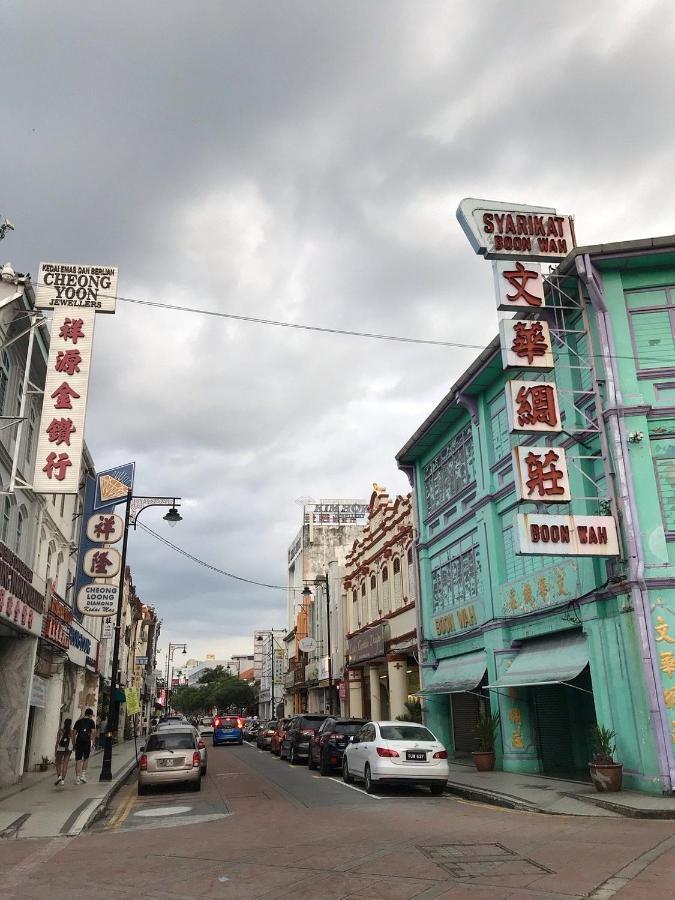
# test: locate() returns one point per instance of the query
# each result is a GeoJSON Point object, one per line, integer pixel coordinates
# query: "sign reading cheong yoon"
{"type": "Point", "coordinates": [76, 286]}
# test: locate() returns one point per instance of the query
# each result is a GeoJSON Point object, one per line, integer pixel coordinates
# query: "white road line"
{"type": "Point", "coordinates": [352, 787]}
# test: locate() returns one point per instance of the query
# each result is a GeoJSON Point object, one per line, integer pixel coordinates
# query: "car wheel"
{"type": "Point", "coordinates": [437, 789]}
{"type": "Point", "coordinates": [310, 761]}
{"type": "Point", "coordinates": [294, 757]}
{"type": "Point", "coordinates": [282, 755]}
{"type": "Point", "coordinates": [142, 790]}
{"type": "Point", "coordinates": [323, 766]}
{"type": "Point", "coordinates": [368, 783]}
{"type": "Point", "coordinates": [346, 777]}
{"type": "Point", "coordinates": [241, 741]}
{"type": "Point", "coordinates": [196, 786]}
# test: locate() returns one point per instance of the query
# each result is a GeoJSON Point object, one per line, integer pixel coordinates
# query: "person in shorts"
{"type": "Point", "coordinates": [62, 751]}
{"type": "Point", "coordinates": [85, 732]}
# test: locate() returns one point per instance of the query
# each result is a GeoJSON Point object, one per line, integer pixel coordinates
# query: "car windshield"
{"type": "Point", "coordinates": [311, 721]}
{"type": "Point", "coordinates": [406, 733]}
{"type": "Point", "coordinates": [272, 724]}
{"type": "Point", "coordinates": [171, 740]}
{"type": "Point", "coordinates": [348, 727]}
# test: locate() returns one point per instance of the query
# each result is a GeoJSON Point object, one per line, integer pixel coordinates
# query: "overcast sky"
{"type": "Point", "coordinates": [304, 161]}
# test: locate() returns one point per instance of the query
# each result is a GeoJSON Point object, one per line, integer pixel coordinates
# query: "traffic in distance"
{"type": "Point", "coordinates": [374, 753]}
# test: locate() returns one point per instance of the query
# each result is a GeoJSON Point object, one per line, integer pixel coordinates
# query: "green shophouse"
{"type": "Point", "coordinates": [557, 644]}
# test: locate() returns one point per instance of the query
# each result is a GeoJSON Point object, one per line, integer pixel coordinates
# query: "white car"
{"type": "Point", "coordinates": [396, 752]}
{"type": "Point", "coordinates": [206, 725]}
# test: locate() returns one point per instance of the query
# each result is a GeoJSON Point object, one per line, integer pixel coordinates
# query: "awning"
{"type": "Point", "coordinates": [453, 676]}
{"type": "Point", "coordinates": [552, 660]}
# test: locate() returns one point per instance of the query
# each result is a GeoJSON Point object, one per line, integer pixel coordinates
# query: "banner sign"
{"type": "Point", "coordinates": [76, 287]}
{"type": "Point", "coordinates": [566, 535]}
{"type": "Point", "coordinates": [61, 435]}
{"type": "Point", "coordinates": [132, 700]}
{"type": "Point", "coordinates": [512, 230]}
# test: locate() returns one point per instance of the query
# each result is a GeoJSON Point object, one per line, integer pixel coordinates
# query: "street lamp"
{"type": "Point", "coordinates": [169, 671]}
{"type": "Point", "coordinates": [260, 640]}
{"type": "Point", "coordinates": [134, 507]}
{"type": "Point", "coordinates": [306, 594]}
{"type": "Point", "coordinates": [173, 517]}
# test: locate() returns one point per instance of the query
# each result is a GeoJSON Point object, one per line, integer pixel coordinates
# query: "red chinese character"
{"type": "Point", "coordinates": [56, 465]}
{"type": "Point", "coordinates": [529, 340]}
{"type": "Point", "coordinates": [105, 527]}
{"type": "Point", "coordinates": [518, 278]}
{"type": "Point", "coordinates": [60, 430]}
{"type": "Point", "coordinates": [72, 330]}
{"type": "Point", "coordinates": [68, 361]}
{"type": "Point", "coordinates": [536, 404]}
{"type": "Point", "coordinates": [544, 478]}
{"type": "Point", "coordinates": [101, 562]}
{"type": "Point", "coordinates": [63, 394]}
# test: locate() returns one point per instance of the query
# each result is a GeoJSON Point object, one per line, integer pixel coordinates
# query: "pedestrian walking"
{"type": "Point", "coordinates": [85, 732]}
{"type": "Point", "coordinates": [62, 751]}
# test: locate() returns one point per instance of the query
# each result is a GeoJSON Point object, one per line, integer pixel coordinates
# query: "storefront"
{"type": "Point", "coordinates": [382, 674]}
{"type": "Point", "coordinates": [20, 626]}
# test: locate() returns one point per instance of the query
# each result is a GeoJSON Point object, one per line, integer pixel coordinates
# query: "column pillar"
{"type": "Point", "coordinates": [355, 694]}
{"type": "Point", "coordinates": [375, 704]}
{"type": "Point", "coordinates": [398, 683]}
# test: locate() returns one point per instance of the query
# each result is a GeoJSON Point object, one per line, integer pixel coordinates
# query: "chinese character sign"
{"type": "Point", "coordinates": [102, 562]}
{"type": "Point", "coordinates": [61, 437]}
{"type": "Point", "coordinates": [532, 406]}
{"type": "Point", "coordinates": [519, 285]}
{"type": "Point", "coordinates": [541, 474]}
{"type": "Point", "coordinates": [105, 528]}
{"type": "Point", "coordinates": [525, 344]}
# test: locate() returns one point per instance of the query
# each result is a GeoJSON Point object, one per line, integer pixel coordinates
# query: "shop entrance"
{"type": "Point", "coordinates": [564, 715]}
{"type": "Point", "coordinates": [467, 707]}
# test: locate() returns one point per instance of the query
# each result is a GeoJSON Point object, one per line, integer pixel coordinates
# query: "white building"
{"type": "Point", "coordinates": [272, 669]}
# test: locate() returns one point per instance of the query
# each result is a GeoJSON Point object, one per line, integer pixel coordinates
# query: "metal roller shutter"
{"type": "Point", "coordinates": [465, 714]}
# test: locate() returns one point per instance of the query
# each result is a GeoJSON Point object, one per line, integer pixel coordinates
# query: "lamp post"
{"type": "Point", "coordinates": [169, 671]}
{"type": "Point", "coordinates": [134, 507]}
{"type": "Point", "coordinates": [306, 593]}
{"type": "Point", "coordinates": [260, 639]}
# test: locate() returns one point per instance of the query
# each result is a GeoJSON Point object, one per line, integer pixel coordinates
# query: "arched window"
{"type": "Point", "coordinates": [363, 615]}
{"type": "Point", "coordinates": [411, 575]}
{"type": "Point", "coordinates": [355, 609]}
{"type": "Point", "coordinates": [30, 433]}
{"type": "Point", "coordinates": [4, 381]}
{"type": "Point", "coordinates": [398, 583]}
{"type": "Point", "coordinates": [374, 612]}
{"type": "Point", "coordinates": [57, 573]}
{"type": "Point", "coordinates": [6, 518]}
{"type": "Point", "coordinates": [20, 519]}
{"type": "Point", "coordinates": [386, 606]}
{"type": "Point", "coordinates": [50, 555]}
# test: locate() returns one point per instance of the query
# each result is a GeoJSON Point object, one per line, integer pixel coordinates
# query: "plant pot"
{"type": "Point", "coordinates": [43, 766]}
{"type": "Point", "coordinates": [606, 777]}
{"type": "Point", "coordinates": [484, 760]}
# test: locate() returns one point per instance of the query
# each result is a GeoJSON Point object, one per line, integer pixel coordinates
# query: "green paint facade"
{"type": "Point", "coordinates": [607, 626]}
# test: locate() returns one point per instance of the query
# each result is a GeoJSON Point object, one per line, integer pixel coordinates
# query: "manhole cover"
{"type": "Point", "coordinates": [477, 860]}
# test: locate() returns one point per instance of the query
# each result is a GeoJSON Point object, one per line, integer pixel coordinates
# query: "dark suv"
{"type": "Point", "coordinates": [295, 745]}
{"type": "Point", "coordinates": [328, 744]}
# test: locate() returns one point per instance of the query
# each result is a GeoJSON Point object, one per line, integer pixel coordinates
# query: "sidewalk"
{"type": "Point", "coordinates": [36, 808]}
{"type": "Point", "coordinates": [538, 793]}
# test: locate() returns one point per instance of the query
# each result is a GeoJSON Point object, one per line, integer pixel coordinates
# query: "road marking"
{"type": "Point", "coordinates": [123, 813]}
{"type": "Point", "coordinates": [353, 787]}
{"type": "Point", "coordinates": [164, 811]}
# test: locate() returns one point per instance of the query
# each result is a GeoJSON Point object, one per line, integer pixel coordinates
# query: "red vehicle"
{"type": "Point", "coordinates": [278, 736]}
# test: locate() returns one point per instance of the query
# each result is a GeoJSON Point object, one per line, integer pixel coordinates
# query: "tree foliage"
{"type": "Point", "coordinates": [215, 689]}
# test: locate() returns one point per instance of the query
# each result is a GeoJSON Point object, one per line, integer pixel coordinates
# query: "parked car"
{"type": "Point", "coordinates": [205, 725]}
{"type": "Point", "coordinates": [201, 746]}
{"type": "Point", "coordinates": [228, 730]}
{"type": "Point", "coordinates": [278, 736]}
{"type": "Point", "coordinates": [328, 744]}
{"type": "Point", "coordinates": [170, 756]}
{"type": "Point", "coordinates": [295, 745]}
{"type": "Point", "coordinates": [396, 752]}
{"type": "Point", "coordinates": [264, 737]}
{"type": "Point", "coordinates": [170, 721]}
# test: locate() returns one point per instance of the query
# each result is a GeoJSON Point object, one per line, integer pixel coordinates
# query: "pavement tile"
{"type": "Point", "coordinates": [330, 886]}
{"type": "Point", "coordinates": [408, 863]}
{"type": "Point", "coordinates": [243, 880]}
{"type": "Point", "coordinates": [390, 889]}
{"type": "Point", "coordinates": [477, 892]}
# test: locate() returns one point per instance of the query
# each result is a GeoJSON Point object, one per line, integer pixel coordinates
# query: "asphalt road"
{"type": "Point", "coordinates": [261, 828]}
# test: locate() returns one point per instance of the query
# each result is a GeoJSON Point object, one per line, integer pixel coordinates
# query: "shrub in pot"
{"type": "Point", "coordinates": [486, 732]}
{"type": "Point", "coordinates": [44, 764]}
{"type": "Point", "coordinates": [606, 774]}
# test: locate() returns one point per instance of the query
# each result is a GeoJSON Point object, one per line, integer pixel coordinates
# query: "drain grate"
{"type": "Point", "coordinates": [477, 860]}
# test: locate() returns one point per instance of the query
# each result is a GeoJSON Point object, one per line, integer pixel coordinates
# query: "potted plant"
{"type": "Point", "coordinates": [486, 732]}
{"type": "Point", "coordinates": [44, 765]}
{"type": "Point", "coordinates": [606, 775]}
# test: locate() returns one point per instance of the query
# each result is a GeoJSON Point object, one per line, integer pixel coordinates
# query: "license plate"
{"type": "Point", "coordinates": [416, 757]}
{"type": "Point", "coordinates": [167, 763]}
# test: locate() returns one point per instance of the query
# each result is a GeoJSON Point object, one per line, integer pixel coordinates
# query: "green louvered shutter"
{"type": "Point", "coordinates": [654, 343]}
{"type": "Point", "coordinates": [665, 474]}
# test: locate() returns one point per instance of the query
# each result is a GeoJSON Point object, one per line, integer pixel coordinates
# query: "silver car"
{"type": "Point", "coordinates": [171, 755]}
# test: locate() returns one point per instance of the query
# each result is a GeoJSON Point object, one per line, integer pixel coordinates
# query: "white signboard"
{"type": "Point", "coordinates": [542, 535]}
{"type": "Point", "coordinates": [98, 600]}
{"type": "Point", "coordinates": [102, 562]}
{"type": "Point", "coordinates": [519, 285]}
{"type": "Point", "coordinates": [76, 287]}
{"type": "Point", "coordinates": [38, 692]}
{"type": "Point", "coordinates": [541, 474]}
{"type": "Point", "coordinates": [525, 344]}
{"type": "Point", "coordinates": [105, 528]}
{"type": "Point", "coordinates": [107, 629]}
{"type": "Point", "coordinates": [61, 436]}
{"type": "Point", "coordinates": [307, 644]}
{"type": "Point", "coordinates": [513, 230]}
{"type": "Point", "coordinates": [532, 406]}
